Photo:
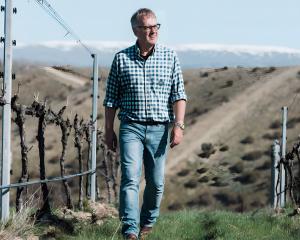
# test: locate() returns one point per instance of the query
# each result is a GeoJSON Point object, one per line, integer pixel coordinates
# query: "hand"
{"type": "Point", "coordinates": [111, 140]}
{"type": "Point", "coordinates": [176, 136]}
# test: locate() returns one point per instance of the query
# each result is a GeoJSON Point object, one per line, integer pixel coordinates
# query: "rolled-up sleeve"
{"type": "Point", "coordinates": [112, 96]}
{"type": "Point", "coordinates": [177, 89]}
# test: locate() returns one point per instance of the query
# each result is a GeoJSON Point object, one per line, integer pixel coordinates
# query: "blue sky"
{"type": "Point", "coordinates": [251, 22]}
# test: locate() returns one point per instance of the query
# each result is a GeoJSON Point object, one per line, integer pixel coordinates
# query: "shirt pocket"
{"type": "Point", "coordinates": [162, 82]}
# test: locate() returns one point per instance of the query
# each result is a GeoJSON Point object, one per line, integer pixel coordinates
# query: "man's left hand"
{"type": "Point", "coordinates": [176, 136]}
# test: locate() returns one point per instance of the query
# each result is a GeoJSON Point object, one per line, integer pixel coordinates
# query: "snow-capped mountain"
{"type": "Point", "coordinates": [190, 55]}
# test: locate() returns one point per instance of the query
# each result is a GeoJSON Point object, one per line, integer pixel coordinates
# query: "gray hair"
{"type": "Point", "coordinates": [141, 12]}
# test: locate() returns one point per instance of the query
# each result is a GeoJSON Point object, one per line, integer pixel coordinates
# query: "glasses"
{"type": "Point", "coordinates": [149, 28]}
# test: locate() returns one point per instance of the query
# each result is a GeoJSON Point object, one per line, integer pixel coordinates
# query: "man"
{"type": "Point", "coordinates": [145, 83]}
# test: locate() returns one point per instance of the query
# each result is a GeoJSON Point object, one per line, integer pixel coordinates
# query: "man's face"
{"type": "Point", "coordinates": [146, 31]}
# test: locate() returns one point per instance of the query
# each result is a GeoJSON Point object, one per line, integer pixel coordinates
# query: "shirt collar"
{"type": "Point", "coordinates": [138, 51]}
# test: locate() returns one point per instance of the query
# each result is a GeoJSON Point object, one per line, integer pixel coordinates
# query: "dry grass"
{"type": "Point", "coordinates": [21, 224]}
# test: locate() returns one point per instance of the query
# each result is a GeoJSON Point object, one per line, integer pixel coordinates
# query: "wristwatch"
{"type": "Point", "coordinates": [179, 124]}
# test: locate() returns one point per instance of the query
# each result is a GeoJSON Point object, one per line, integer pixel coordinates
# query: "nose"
{"type": "Point", "coordinates": [153, 30]}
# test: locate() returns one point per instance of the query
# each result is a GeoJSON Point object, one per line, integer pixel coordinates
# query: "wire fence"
{"type": "Point", "coordinates": [83, 132]}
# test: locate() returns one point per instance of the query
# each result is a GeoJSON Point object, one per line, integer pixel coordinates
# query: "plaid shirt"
{"type": "Point", "coordinates": [145, 90]}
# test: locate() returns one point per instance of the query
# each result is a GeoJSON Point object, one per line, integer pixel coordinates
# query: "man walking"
{"type": "Point", "coordinates": [145, 83]}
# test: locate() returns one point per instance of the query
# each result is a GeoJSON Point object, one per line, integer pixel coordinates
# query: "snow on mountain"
{"type": "Point", "coordinates": [190, 55]}
{"type": "Point", "coordinates": [237, 49]}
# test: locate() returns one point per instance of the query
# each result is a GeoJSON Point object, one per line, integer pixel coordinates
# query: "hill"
{"type": "Point", "coordinates": [233, 115]}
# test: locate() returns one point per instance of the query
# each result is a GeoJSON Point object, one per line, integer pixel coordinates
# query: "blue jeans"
{"type": "Point", "coordinates": [141, 143]}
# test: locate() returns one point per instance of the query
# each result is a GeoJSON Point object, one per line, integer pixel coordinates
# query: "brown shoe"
{"type": "Point", "coordinates": [144, 232]}
{"type": "Point", "coordinates": [130, 236]}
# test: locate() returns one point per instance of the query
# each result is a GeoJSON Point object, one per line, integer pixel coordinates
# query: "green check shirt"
{"type": "Point", "coordinates": [145, 90]}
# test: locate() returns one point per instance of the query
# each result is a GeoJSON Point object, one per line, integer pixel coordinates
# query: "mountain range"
{"type": "Point", "coordinates": [190, 55]}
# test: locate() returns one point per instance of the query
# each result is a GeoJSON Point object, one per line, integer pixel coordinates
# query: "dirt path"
{"type": "Point", "coordinates": [219, 122]}
{"type": "Point", "coordinates": [66, 78]}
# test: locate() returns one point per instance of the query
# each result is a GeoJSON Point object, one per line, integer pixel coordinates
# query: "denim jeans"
{"type": "Point", "coordinates": [141, 143]}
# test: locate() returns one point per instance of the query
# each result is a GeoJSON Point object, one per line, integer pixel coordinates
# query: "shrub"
{"type": "Point", "coordinates": [204, 179]}
{"type": "Point", "coordinates": [255, 69]}
{"type": "Point", "coordinates": [270, 70]}
{"type": "Point", "coordinates": [183, 173]}
{"type": "Point", "coordinates": [207, 150]}
{"type": "Point", "coordinates": [203, 74]}
{"type": "Point", "coordinates": [202, 200]}
{"type": "Point", "coordinates": [269, 136]}
{"type": "Point", "coordinates": [224, 148]}
{"type": "Point", "coordinates": [221, 69]}
{"type": "Point", "coordinates": [191, 184]}
{"type": "Point", "coordinates": [218, 182]}
{"type": "Point", "coordinates": [227, 84]}
{"type": "Point", "coordinates": [247, 178]}
{"type": "Point", "coordinates": [251, 156]}
{"type": "Point", "coordinates": [292, 122]}
{"type": "Point", "coordinates": [197, 112]}
{"type": "Point", "coordinates": [237, 168]}
{"type": "Point", "coordinates": [201, 170]}
{"type": "Point", "coordinates": [227, 199]}
{"type": "Point", "coordinates": [204, 154]}
{"type": "Point", "coordinates": [224, 68]}
{"type": "Point", "coordinates": [207, 147]}
{"type": "Point", "coordinates": [276, 124]}
{"type": "Point", "coordinates": [247, 140]}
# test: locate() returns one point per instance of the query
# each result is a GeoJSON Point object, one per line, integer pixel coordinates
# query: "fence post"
{"type": "Point", "coordinates": [6, 112]}
{"type": "Point", "coordinates": [275, 172]}
{"type": "Point", "coordinates": [94, 129]}
{"type": "Point", "coordinates": [283, 152]}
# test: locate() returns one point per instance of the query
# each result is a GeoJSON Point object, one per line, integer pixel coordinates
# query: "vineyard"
{"type": "Point", "coordinates": [81, 133]}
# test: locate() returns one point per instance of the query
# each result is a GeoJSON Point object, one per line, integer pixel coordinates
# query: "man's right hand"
{"type": "Point", "coordinates": [110, 135]}
{"type": "Point", "coordinates": [111, 140]}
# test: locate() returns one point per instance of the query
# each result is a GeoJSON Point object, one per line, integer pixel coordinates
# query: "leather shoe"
{"type": "Point", "coordinates": [130, 236]}
{"type": "Point", "coordinates": [144, 232]}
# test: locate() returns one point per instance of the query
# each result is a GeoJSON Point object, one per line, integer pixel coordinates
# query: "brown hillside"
{"type": "Point", "coordinates": [224, 161]}
{"type": "Point", "coordinates": [233, 114]}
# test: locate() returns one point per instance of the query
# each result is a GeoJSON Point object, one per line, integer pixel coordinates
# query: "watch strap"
{"type": "Point", "coordinates": [180, 125]}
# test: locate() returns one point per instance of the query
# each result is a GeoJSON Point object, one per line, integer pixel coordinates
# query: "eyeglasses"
{"type": "Point", "coordinates": [149, 28]}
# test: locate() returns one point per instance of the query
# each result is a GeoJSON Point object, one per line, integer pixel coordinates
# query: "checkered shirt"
{"type": "Point", "coordinates": [145, 90]}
